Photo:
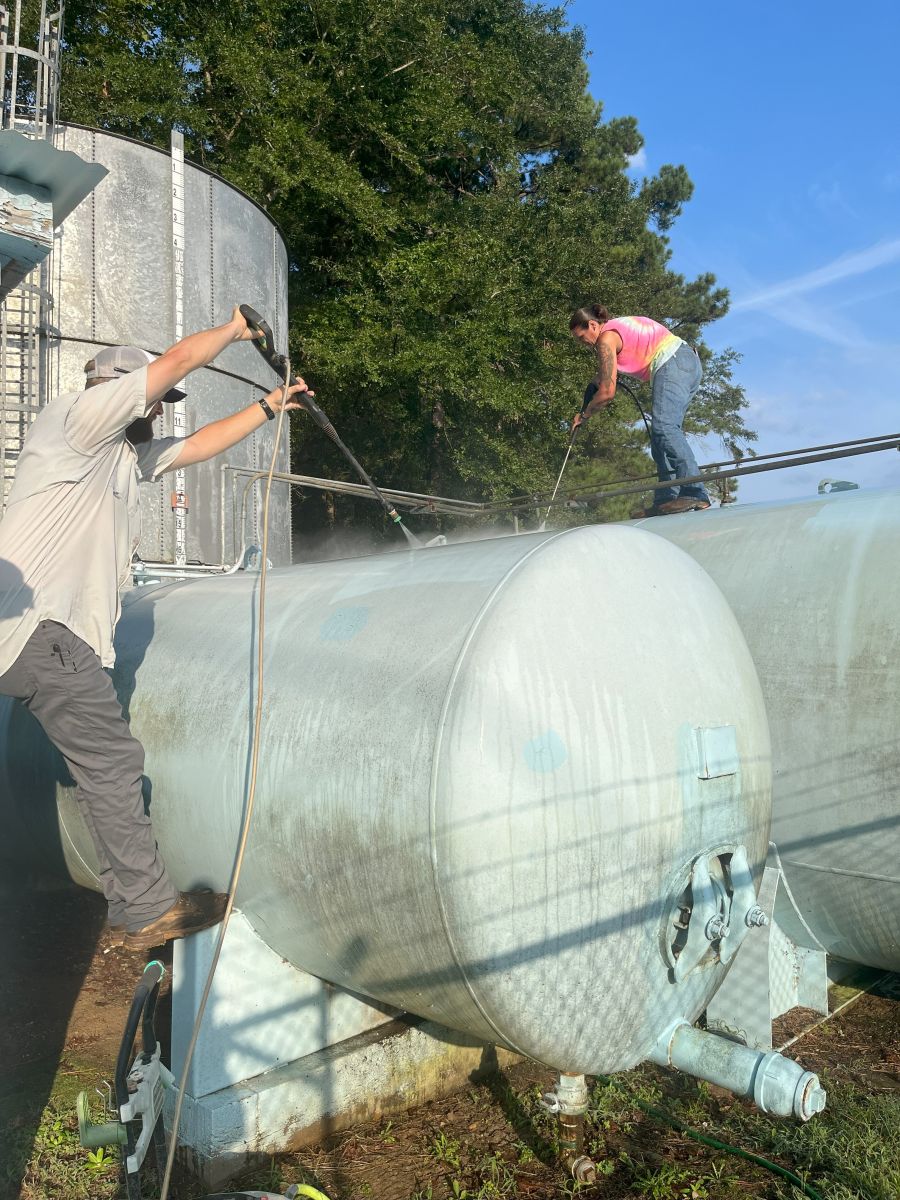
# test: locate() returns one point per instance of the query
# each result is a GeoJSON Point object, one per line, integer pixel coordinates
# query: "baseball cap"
{"type": "Point", "coordinates": [122, 360]}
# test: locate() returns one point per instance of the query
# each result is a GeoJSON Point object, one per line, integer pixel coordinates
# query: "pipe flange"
{"type": "Point", "coordinates": [572, 1095]}
{"type": "Point", "coordinates": [772, 1081]}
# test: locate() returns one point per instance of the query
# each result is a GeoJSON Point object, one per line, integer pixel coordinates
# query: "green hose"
{"type": "Point", "coordinates": [659, 1114]}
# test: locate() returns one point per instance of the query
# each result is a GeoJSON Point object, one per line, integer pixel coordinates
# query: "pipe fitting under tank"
{"type": "Point", "coordinates": [569, 1102]}
{"type": "Point", "coordinates": [774, 1083]}
{"type": "Point", "coordinates": [570, 1097]}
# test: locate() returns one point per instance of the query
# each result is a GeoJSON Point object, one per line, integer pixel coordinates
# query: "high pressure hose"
{"type": "Point", "coordinates": [251, 791]}
{"type": "Point", "coordinates": [620, 383]}
{"type": "Point", "coordinates": [572, 436]}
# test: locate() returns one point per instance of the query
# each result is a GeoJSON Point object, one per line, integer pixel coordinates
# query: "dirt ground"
{"type": "Point", "coordinates": [64, 996]}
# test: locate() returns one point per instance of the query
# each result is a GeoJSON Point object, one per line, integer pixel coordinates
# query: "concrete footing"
{"type": "Point", "coordinates": [284, 1059]}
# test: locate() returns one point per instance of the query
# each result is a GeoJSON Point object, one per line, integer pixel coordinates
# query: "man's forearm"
{"type": "Point", "coordinates": [196, 350]}
{"type": "Point", "coordinates": [221, 435]}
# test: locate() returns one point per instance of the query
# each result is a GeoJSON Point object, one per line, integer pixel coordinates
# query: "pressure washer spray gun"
{"type": "Point", "coordinates": [265, 344]}
{"type": "Point", "coordinates": [136, 1122]}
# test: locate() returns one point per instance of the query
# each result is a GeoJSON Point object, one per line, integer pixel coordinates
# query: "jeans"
{"type": "Point", "coordinates": [674, 386]}
{"type": "Point", "coordinates": [59, 679]}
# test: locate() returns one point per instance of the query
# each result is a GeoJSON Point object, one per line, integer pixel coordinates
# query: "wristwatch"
{"type": "Point", "coordinates": [270, 415]}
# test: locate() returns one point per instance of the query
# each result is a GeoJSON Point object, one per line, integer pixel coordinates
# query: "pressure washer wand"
{"type": "Point", "coordinates": [321, 419]}
{"type": "Point", "coordinates": [265, 344]}
{"type": "Point", "coordinates": [572, 437]}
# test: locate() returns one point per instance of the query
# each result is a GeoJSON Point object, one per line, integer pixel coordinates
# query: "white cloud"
{"type": "Point", "coordinates": [828, 325]}
{"type": "Point", "coordinates": [830, 200]}
{"type": "Point", "coordinates": [637, 162]}
{"type": "Point", "coordinates": [845, 267]}
{"type": "Point", "coordinates": [808, 318]}
{"type": "Point", "coordinates": [775, 416]}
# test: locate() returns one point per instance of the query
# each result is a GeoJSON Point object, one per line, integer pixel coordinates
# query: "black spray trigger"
{"type": "Point", "coordinates": [258, 324]}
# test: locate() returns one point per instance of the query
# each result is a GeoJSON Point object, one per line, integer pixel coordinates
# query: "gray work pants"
{"type": "Point", "coordinates": [59, 679]}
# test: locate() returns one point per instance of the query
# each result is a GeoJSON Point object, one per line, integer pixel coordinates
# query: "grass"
{"type": "Point", "coordinates": [498, 1141]}
{"type": "Point", "coordinates": [58, 1165]}
{"type": "Point", "coordinates": [41, 1157]}
{"type": "Point", "coordinates": [850, 1150]}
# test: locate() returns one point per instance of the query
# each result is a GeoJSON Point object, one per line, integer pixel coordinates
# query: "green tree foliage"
{"type": "Point", "coordinates": [449, 193]}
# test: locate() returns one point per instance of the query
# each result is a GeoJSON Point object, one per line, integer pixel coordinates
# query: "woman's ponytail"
{"type": "Point", "coordinates": [582, 317]}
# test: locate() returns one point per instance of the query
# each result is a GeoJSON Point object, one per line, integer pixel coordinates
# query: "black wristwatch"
{"type": "Point", "coordinates": [270, 415]}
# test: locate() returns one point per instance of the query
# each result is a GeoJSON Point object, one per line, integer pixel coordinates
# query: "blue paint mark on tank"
{"type": "Point", "coordinates": [344, 625]}
{"type": "Point", "coordinates": [546, 753]}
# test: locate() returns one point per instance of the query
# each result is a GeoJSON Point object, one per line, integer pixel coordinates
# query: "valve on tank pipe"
{"type": "Point", "coordinates": [569, 1102]}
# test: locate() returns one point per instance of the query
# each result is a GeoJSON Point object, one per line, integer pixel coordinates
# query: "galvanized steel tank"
{"type": "Point", "coordinates": [482, 784]}
{"type": "Point", "coordinates": [815, 586]}
{"type": "Point", "coordinates": [113, 281]}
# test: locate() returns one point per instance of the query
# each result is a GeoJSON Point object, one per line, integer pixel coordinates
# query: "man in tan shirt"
{"type": "Point", "coordinates": [71, 527]}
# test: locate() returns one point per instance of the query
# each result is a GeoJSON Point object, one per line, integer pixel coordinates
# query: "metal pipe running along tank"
{"type": "Point", "coordinates": [491, 774]}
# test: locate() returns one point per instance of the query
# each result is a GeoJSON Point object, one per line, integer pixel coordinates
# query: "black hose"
{"type": "Point", "coordinates": [144, 995]}
{"type": "Point", "coordinates": [620, 383]}
{"type": "Point", "coordinates": [143, 1005]}
{"type": "Point", "coordinates": [149, 1037]}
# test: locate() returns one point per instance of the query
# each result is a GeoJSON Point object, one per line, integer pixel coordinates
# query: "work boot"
{"type": "Point", "coordinates": [190, 913]}
{"type": "Point", "coordinates": [112, 936]}
{"type": "Point", "coordinates": [682, 504]}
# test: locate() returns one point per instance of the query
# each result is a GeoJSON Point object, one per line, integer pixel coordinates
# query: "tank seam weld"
{"type": "Point", "coordinates": [435, 763]}
{"type": "Point", "coordinates": [65, 829]}
{"type": "Point", "coordinates": [794, 862]}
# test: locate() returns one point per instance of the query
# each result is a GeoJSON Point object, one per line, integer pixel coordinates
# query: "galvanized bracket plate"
{"type": "Point", "coordinates": [770, 976]}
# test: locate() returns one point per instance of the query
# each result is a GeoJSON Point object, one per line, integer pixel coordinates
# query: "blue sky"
{"type": "Point", "coordinates": [786, 117]}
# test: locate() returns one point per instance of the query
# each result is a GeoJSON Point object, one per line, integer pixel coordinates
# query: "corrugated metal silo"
{"type": "Point", "coordinates": [115, 276]}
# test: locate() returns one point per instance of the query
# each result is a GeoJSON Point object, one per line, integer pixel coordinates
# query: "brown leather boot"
{"type": "Point", "coordinates": [190, 913]}
{"type": "Point", "coordinates": [682, 504]}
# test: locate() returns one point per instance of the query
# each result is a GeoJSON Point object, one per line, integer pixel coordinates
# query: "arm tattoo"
{"type": "Point", "coordinates": [607, 373]}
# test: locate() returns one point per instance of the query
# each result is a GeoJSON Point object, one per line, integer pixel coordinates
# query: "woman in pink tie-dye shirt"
{"type": "Point", "coordinates": [647, 350]}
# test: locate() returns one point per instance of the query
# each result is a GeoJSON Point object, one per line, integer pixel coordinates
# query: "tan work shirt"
{"type": "Point", "coordinates": [73, 519]}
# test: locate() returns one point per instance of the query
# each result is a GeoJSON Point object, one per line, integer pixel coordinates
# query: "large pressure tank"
{"type": "Point", "coordinates": [815, 586]}
{"type": "Point", "coordinates": [486, 772]}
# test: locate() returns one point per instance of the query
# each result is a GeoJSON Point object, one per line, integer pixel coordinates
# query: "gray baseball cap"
{"type": "Point", "coordinates": [122, 360]}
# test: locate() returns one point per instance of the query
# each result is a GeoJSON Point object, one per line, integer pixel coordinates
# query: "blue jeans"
{"type": "Point", "coordinates": [674, 386]}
